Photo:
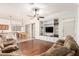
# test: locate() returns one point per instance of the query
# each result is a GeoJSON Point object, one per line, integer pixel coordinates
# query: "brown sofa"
{"type": "Point", "coordinates": [62, 47]}
{"type": "Point", "coordinates": [66, 47]}
{"type": "Point", "coordinates": [8, 47]}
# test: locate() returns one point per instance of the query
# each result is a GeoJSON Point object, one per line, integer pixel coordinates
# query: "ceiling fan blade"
{"type": "Point", "coordinates": [30, 16]}
{"type": "Point", "coordinates": [37, 18]}
{"type": "Point", "coordinates": [41, 17]}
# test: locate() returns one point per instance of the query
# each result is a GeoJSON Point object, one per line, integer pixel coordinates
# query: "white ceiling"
{"type": "Point", "coordinates": [19, 10]}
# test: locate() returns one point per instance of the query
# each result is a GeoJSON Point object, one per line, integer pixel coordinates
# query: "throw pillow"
{"type": "Point", "coordinates": [9, 49]}
{"type": "Point", "coordinates": [70, 43]}
{"type": "Point", "coordinates": [60, 42]}
{"type": "Point", "coordinates": [1, 43]}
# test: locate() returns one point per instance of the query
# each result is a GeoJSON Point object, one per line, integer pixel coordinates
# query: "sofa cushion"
{"type": "Point", "coordinates": [9, 49]}
{"type": "Point", "coordinates": [77, 52]}
{"type": "Point", "coordinates": [72, 53]}
{"type": "Point", "coordinates": [70, 43]}
{"type": "Point", "coordinates": [58, 51]}
{"type": "Point", "coordinates": [1, 43]}
{"type": "Point", "coordinates": [56, 45]}
{"type": "Point", "coordinates": [60, 41]}
{"type": "Point", "coordinates": [9, 41]}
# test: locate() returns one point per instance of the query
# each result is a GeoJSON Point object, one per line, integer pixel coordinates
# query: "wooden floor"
{"type": "Point", "coordinates": [34, 47]}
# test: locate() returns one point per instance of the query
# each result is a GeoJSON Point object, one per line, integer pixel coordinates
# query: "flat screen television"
{"type": "Point", "coordinates": [49, 29]}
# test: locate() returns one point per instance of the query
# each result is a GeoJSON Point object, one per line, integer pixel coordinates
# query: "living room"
{"type": "Point", "coordinates": [29, 29]}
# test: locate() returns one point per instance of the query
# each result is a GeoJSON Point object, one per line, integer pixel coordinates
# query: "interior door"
{"type": "Point", "coordinates": [33, 30]}
{"type": "Point", "coordinates": [27, 30]}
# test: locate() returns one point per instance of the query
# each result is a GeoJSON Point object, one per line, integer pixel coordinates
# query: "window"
{"type": "Point", "coordinates": [4, 27]}
{"type": "Point", "coordinates": [16, 28]}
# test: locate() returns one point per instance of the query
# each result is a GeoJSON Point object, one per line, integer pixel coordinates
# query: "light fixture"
{"type": "Point", "coordinates": [36, 11]}
{"type": "Point", "coordinates": [35, 8]}
{"type": "Point", "coordinates": [22, 24]}
{"type": "Point", "coordinates": [10, 20]}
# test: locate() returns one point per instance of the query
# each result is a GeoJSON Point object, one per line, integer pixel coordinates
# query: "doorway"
{"type": "Point", "coordinates": [33, 30]}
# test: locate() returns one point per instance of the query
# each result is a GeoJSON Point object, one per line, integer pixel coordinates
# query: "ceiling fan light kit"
{"type": "Point", "coordinates": [36, 13]}
{"type": "Point", "coordinates": [36, 9]}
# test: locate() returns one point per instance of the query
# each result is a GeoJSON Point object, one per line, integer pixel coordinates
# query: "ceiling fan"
{"type": "Point", "coordinates": [36, 15]}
